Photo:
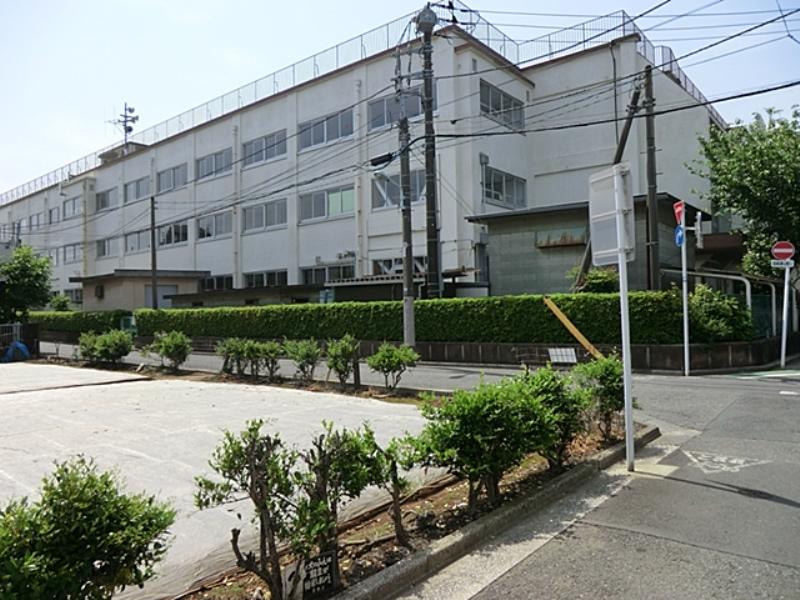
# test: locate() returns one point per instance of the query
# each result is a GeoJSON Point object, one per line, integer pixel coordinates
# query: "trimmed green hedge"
{"type": "Point", "coordinates": [78, 321]}
{"type": "Point", "coordinates": [655, 318]}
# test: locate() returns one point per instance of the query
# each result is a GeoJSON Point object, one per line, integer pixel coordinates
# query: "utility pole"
{"type": "Point", "coordinates": [426, 21]}
{"type": "Point", "coordinates": [153, 262]}
{"type": "Point", "coordinates": [653, 258]}
{"type": "Point", "coordinates": [409, 337]}
{"type": "Point", "coordinates": [633, 108]}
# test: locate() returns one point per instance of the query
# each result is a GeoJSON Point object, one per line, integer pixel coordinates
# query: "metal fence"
{"type": "Point", "coordinates": [579, 37]}
{"type": "Point", "coordinates": [10, 332]}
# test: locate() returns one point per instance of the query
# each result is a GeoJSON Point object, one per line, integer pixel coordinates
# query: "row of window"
{"type": "Point", "coordinates": [502, 106]}
{"type": "Point", "coordinates": [327, 203]}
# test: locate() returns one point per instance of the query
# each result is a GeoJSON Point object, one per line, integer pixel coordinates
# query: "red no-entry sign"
{"type": "Point", "coordinates": [678, 209]}
{"type": "Point", "coordinates": [782, 250]}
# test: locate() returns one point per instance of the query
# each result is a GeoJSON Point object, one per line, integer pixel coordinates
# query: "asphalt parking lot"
{"type": "Point", "coordinates": [159, 435]}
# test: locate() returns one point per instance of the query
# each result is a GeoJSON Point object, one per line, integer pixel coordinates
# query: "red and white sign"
{"type": "Point", "coordinates": [782, 250]}
{"type": "Point", "coordinates": [678, 208]}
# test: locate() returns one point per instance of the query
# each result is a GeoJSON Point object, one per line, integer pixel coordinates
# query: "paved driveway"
{"type": "Point", "coordinates": [159, 435]}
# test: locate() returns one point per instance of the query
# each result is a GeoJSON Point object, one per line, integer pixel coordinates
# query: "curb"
{"type": "Point", "coordinates": [396, 578]}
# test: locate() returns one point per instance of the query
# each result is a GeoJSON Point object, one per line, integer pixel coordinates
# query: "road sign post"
{"type": "Point", "coordinates": [612, 232]}
{"type": "Point", "coordinates": [680, 239]}
{"type": "Point", "coordinates": [783, 252]}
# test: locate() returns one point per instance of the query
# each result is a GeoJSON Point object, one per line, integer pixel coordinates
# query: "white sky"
{"type": "Point", "coordinates": [67, 67]}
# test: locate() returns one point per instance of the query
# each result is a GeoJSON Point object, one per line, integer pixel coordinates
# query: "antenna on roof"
{"type": "Point", "coordinates": [126, 121]}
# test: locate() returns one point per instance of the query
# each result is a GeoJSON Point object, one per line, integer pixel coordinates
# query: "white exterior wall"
{"type": "Point", "coordinates": [554, 164]}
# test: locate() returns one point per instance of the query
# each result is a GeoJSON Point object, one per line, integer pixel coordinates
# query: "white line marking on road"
{"type": "Point", "coordinates": [788, 393]}
{"type": "Point", "coordinates": [716, 463]}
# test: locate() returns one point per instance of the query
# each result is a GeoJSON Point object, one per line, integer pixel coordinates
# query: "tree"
{"type": "Point", "coordinates": [27, 284]}
{"type": "Point", "coordinates": [754, 172]}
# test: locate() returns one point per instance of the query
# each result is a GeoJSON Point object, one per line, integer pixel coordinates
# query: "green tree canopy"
{"type": "Point", "coordinates": [754, 171]}
{"type": "Point", "coordinates": [27, 284]}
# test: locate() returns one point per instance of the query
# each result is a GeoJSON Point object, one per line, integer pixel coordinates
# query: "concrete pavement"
{"type": "Point", "coordinates": [712, 512]}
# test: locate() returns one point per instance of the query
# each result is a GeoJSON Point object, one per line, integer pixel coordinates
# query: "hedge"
{"type": "Point", "coordinates": [655, 319]}
{"type": "Point", "coordinates": [78, 321]}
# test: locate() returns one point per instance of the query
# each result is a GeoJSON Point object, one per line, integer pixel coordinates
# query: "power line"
{"type": "Point", "coordinates": [595, 16]}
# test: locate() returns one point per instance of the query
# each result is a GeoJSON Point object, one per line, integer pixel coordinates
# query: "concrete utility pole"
{"type": "Point", "coordinates": [653, 254]}
{"type": "Point", "coordinates": [426, 21]}
{"type": "Point", "coordinates": [409, 337]}
{"type": "Point", "coordinates": [153, 262]}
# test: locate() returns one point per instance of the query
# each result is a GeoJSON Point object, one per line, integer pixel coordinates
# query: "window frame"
{"type": "Point", "coordinates": [318, 128]}
{"type": "Point", "coordinates": [275, 140]}
{"type": "Point", "coordinates": [141, 189]}
{"type": "Point", "coordinates": [141, 234]}
{"type": "Point", "coordinates": [111, 199]}
{"type": "Point", "coordinates": [322, 198]}
{"type": "Point", "coordinates": [220, 162]}
{"type": "Point", "coordinates": [489, 174]}
{"type": "Point", "coordinates": [504, 116]}
{"type": "Point", "coordinates": [181, 169]}
{"type": "Point", "coordinates": [169, 231]}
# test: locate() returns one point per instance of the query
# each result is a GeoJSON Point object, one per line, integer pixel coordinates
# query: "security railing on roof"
{"type": "Point", "coordinates": [579, 37]}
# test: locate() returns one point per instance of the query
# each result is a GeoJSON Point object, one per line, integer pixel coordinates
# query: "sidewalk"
{"type": "Point", "coordinates": [422, 377]}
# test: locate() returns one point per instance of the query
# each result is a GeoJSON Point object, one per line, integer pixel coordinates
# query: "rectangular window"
{"type": "Point", "coordinates": [386, 111]}
{"type": "Point", "coordinates": [264, 148]}
{"type": "Point", "coordinates": [501, 106]}
{"type": "Point", "coordinates": [137, 189]}
{"type": "Point", "coordinates": [275, 212]}
{"type": "Point", "coordinates": [320, 275]}
{"type": "Point", "coordinates": [386, 190]}
{"type": "Point", "coordinates": [325, 129]}
{"type": "Point", "coordinates": [214, 164]}
{"type": "Point", "coordinates": [73, 253]}
{"type": "Point", "coordinates": [218, 282]}
{"type": "Point", "coordinates": [72, 207]}
{"type": "Point", "coordinates": [171, 178]}
{"type": "Point", "coordinates": [75, 295]}
{"type": "Point", "coordinates": [503, 189]}
{"type": "Point", "coordinates": [106, 199]}
{"type": "Point", "coordinates": [327, 203]}
{"type": "Point", "coordinates": [107, 247]}
{"type": "Point", "coordinates": [53, 254]}
{"type": "Point", "coordinates": [253, 217]}
{"type": "Point", "coordinates": [176, 233]}
{"type": "Point", "coordinates": [53, 216]}
{"type": "Point", "coordinates": [137, 241]}
{"type": "Point", "coordinates": [266, 278]}
{"type": "Point", "coordinates": [35, 221]}
{"type": "Point", "coordinates": [217, 225]}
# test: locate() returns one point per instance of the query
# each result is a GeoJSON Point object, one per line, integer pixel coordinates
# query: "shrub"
{"type": "Point", "coordinates": [567, 405]}
{"type": "Point", "coordinates": [87, 346]}
{"type": "Point", "coordinates": [341, 355]}
{"type": "Point", "coordinates": [305, 354]}
{"type": "Point", "coordinates": [59, 303]}
{"type": "Point", "coordinates": [603, 378]}
{"type": "Point", "coordinates": [269, 353]}
{"type": "Point", "coordinates": [715, 317]}
{"type": "Point", "coordinates": [392, 361]}
{"type": "Point", "coordinates": [232, 351]}
{"type": "Point", "coordinates": [84, 538]}
{"type": "Point", "coordinates": [262, 467]}
{"type": "Point", "coordinates": [174, 347]}
{"type": "Point", "coordinates": [80, 321]}
{"type": "Point", "coordinates": [603, 280]}
{"type": "Point", "coordinates": [480, 434]}
{"type": "Point", "coordinates": [111, 346]}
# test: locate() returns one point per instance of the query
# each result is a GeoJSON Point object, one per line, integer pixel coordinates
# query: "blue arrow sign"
{"type": "Point", "coordinates": [680, 236]}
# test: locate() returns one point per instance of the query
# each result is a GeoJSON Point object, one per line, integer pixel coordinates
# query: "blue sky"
{"type": "Point", "coordinates": [69, 66]}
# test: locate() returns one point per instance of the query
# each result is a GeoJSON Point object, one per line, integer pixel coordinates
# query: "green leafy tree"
{"type": "Point", "coordinates": [59, 303]}
{"type": "Point", "coordinates": [341, 355]}
{"type": "Point", "coordinates": [27, 284]}
{"type": "Point", "coordinates": [173, 347]}
{"type": "Point", "coordinates": [754, 172]}
{"type": "Point", "coordinates": [479, 434]}
{"type": "Point", "coordinates": [603, 378]}
{"type": "Point", "coordinates": [717, 317]}
{"type": "Point", "coordinates": [83, 539]}
{"type": "Point", "coordinates": [259, 466]}
{"type": "Point", "coordinates": [392, 361]}
{"type": "Point", "coordinates": [306, 354]}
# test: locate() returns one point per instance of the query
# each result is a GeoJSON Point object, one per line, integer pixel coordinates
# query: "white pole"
{"type": "Point", "coordinates": [623, 309]}
{"type": "Point", "coordinates": [685, 295]}
{"type": "Point", "coordinates": [785, 324]}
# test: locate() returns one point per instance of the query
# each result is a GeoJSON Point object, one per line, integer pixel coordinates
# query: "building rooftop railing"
{"type": "Point", "coordinates": [579, 37]}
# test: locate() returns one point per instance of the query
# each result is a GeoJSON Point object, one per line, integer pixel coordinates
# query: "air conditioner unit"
{"type": "Point", "coordinates": [99, 291]}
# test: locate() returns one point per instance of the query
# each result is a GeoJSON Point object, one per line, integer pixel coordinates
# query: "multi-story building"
{"type": "Point", "coordinates": [271, 184]}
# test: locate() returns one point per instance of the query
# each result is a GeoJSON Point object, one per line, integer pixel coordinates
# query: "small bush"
{"type": "Point", "coordinates": [232, 351]}
{"type": "Point", "coordinates": [603, 378]}
{"type": "Point", "coordinates": [174, 347]}
{"type": "Point", "coordinates": [567, 405]}
{"type": "Point", "coordinates": [84, 538]}
{"type": "Point", "coordinates": [715, 317]}
{"type": "Point", "coordinates": [480, 434]}
{"type": "Point", "coordinates": [87, 346]}
{"type": "Point", "coordinates": [598, 281]}
{"type": "Point", "coordinates": [113, 346]}
{"type": "Point", "coordinates": [341, 355]}
{"type": "Point", "coordinates": [306, 354]}
{"type": "Point", "coordinates": [269, 353]}
{"type": "Point", "coordinates": [392, 361]}
{"type": "Point", "coordinates": [59, 303]}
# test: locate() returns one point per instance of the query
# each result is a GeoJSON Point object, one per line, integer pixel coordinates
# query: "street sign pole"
{"type": "Point", "coordinates": [785, 326]}
{"type": "Point", "coordinates": [685, 296]}
{"type": "Point", "coordinates": [622, 262]}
